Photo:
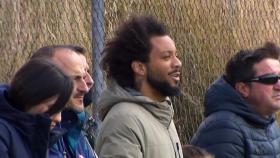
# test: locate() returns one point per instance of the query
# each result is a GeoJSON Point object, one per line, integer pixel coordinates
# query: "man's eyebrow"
{"type": "Point", "coordinates": [76, 76]}
{"type": "Point", "coordinates": [168, 51]}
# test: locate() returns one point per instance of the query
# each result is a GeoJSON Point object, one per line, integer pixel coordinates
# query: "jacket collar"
{"type": "Point", "coordinates": [221, 96]}
{"type": "Point", "coordinates": [114, 94]}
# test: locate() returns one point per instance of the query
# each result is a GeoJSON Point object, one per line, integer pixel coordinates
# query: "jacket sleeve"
{"type": "Point", "coordinates": [119, 137]}
{"type": "Point", "coordinates": [85, 148]}
{"type": "Point", "coordinates": [4, 151]}
{"type": "Point", "coordinates": [221, 138]}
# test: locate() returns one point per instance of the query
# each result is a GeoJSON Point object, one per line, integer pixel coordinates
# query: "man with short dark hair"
{"type": "Point", "coordinates": [136, 113]}
{"type": "Point", "coordinates": [68, 139]}
{"type": "Point", "coordinates": [240, 107]}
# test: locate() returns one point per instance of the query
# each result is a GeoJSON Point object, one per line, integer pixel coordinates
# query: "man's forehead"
{"type": "Point", "coordinates": [267, 66]}
{"type": "Point", "coordinates": [69, 61]}
{"type": "Point", "coordinates": [84, 60]}
{"type": "Point", "coordinates": [163, 44]}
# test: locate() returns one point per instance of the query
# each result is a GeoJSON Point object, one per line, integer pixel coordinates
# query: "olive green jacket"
{"type": "Point", "coordinates": [134, 126]}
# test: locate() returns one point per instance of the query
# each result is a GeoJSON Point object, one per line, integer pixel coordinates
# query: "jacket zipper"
{"type": "Point", "coordinates": [64, 154]}
{"type": "Point", "coordinates": [177, 146]}
{"type": "Point", "coordinates": [269, 139]}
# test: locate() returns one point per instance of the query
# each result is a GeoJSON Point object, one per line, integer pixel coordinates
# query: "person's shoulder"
{"type": "Point", "coordinates": [124, 116]}
{"type": "Point", "coordinates": [218, 128]}
{"type": "Point", "coordinates": [7, 132]}
{"type": "Point", "coordinates": [125, 105]}
{"type": "Point", "coordinates": [126, 109]}
{"type": "Point", "coordinates": [5, 126]}
{"type": "Point", "coordinates": [221, 120]}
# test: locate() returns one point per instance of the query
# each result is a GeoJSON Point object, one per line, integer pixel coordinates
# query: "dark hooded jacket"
{"type": "Point", "coordinates": [68, 139]}
{"type": "Point", "coordinates": [22, 135]}
{"type": "Point", "coordinates": [232, 129]}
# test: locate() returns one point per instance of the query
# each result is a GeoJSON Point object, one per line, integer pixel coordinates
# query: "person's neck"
{"type": "Point", "coordinates": [266, 116]}
{"type": "Point", "coordinates": [260, 111]}
{"type": "Point", "coordinates": [152, 93]}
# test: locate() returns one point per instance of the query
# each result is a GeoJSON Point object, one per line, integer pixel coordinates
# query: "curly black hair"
{"type": "Point", "coordinates": [130, 43]}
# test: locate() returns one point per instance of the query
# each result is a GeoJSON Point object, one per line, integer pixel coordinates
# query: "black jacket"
{"type": "Point", "coordinates": [22, 135]}
{"type": "Point", "coordinates": [234, 130]}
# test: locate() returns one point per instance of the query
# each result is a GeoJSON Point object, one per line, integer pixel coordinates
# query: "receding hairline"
{"type": "Point", "coordinates": [62, 56]}
{"type": "Point", "coordinates": [51, 50]}
{"type": "Point", "coordinates": [61, 51]}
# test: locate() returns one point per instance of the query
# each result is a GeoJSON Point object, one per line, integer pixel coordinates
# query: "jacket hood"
{"type": "Point", "coordinates": [221, 96]}
{"type": "Point", "coordinates": [70, 120]}
{"type": "Point", "coordinates": [115, 94]}
{"type": "Point", "coordinates": [32, 127]}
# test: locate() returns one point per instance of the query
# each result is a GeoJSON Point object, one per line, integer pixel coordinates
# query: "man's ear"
{"type": "Point", "coordinates": [242, 88]}
{"type": "Point", "coordinates": [138, 67]}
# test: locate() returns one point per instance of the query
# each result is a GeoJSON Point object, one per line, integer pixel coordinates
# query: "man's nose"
{"type": "Point", "coordinates": [277, 85]}
{"type": "Point", "coordinates": [83, 87]}
{"type": "Point", "coordinates": [89, 81]}
{"type": "Point", "coordinates": [177, 62]}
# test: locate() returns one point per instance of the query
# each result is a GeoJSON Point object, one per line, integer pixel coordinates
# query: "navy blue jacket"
{"type": "Point", "coordinates": [69, 139]}
{"type": "Point", "coordinates": [232, 129]}
{"type": "Point", "coordinates": [22, 135]}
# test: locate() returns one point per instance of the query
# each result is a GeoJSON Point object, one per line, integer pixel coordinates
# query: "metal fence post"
{"type": "Point", "coordinates": [97, 47]}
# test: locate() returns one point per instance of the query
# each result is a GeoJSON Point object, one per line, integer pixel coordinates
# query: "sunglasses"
{"type": "Point", "coordinates": [266, 79]}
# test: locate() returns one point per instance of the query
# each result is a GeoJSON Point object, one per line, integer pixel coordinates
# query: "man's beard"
{"type": "Point", "coordinates": [162, 86]}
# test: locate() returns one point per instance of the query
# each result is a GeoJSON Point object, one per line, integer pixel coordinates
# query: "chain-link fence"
{"type": "Point", "coordinates": [206, 32]}
{"type": "Point", "coordinates": [29, 24]}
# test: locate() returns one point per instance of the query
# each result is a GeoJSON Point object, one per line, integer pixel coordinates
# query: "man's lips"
{"type": "Point", "coordinates": [175, 75]}
{"type": "Point", "coordinates": [79, 96]}
{"type": "Point", "coordinates": [276, 96]}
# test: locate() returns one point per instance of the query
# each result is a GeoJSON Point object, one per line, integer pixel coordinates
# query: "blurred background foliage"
{"type": "Point", "coordinates": [207, 33]}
